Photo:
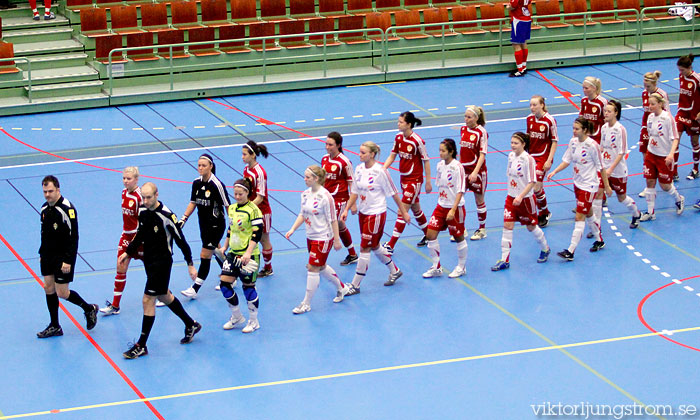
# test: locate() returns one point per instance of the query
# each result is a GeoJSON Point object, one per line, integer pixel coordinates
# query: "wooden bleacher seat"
{"type": "Point", "coordinates": [262, 29]}
{"type": "Point", "coordinates": [200, 35]}
{"type": "Point", "coordinates": [291, 27]}
{"type": "Point", "coordinates": [380, 20]}
{"type": "Point", "coordinates": [105, 44]}
{"type": "Point", "coordinates": [302, 9]}
{"type": "Point", "coordinates": [463, 14]}
{"type": "Point", "coordinates": [658, 14]}
{"type": "Point", "coordinates": [273, 11]}
{"type": "Point", "coordinates": [388, 5]}
{"type": "Point", "coordinates": [331, 8]}
{"type": "Point", "coordinates": [549, 7]}
{"type": "Point", "coordinates": [7, 50]}
{"type": "Point", "coordinates": [143, 39]}
{"type": "Point", "coordinates": [493, 11]}
{"type": "Point", "coordinates": [438, 15]}
{"type": "Point", "coordinates": [93, 22]}
{"type": "Point", "coordinates": [184, 15]}
{"type": "Point", "coordinates": [322, 25]}
{"type": "Point", "coordinates": [108, 3]}
{"type": "Point", "coordinates": [124, 20]}
{"type": "Point", "coordinates": [233, 32]}
{"type": "Point", "coordinates": [603, 5]}
{"type": "Point", "coordinates": [154, 17]}
{"type": "Point", "coordinates": [214, 13]}
{"type": "Point", "coordinates": [360, 7]}
{"type": "Point", "coordinates": [577, 6]}
{"type": "Point", "coordinates": [76, 5]}
{"type": "Point", "coordinates": [417, 4]}
{"type": "Point", "coordinates": [347, 23]}
{"type": "Point", "coordinates": [446, 3]}
{"type": "Point", "coordinates": [409, 17]}
{"type": "Point", "coordinates": [628, 4]}
{"type": "Point", "coordinates": [244, 12]}
{"type": "Point", "coordinates": [172, 36]}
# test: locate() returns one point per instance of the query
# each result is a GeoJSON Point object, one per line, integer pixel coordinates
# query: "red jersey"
{"type": "Point", "coordinates": [338, 174]}
{"type": "Point", "coordinates": [131, 201]}
{"type": "Point", "coordinates": [645, 103]}
{"type": "Point", "coordinates": [258, 178]}
{"type": "Point", "coordinates": [473, 142]}
{"type": "Point", "coordinates": [592, 110]}
{"type": "Point", "coordinates": [689, 95]}
{"type": "Point", "coordinates": [542, 132]}
{"type": "Point", "coordinates": [412, 153]}
{"type": "Point", "coordinates": [520, 10]}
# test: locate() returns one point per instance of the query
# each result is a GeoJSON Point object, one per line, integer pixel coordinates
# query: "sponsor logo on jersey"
{"type": "Point", "coordinates": [594, 109]}
{"type": "Point", "coordinates": [513, 183]}
{"type": "Point", "coordinates": [541, 128]}
{"type": "Point", "coordinates": [409, 148]}
{"type": "Point", "coordinates": [472, 137]}
{"type": "Point", "coordinates": [333, 168]}
{"type": "Point", "coordinates": [131, 203]}
{"type": "Point", "coordinates": [207, 193]}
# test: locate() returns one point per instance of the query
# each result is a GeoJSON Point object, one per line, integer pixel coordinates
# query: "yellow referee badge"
{"type": "Point", "coordinates": [71, 213]}
{"type": "Point", "coordinates": [174, 218]}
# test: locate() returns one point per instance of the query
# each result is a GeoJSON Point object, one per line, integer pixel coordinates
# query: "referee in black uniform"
{"type": "Point", "coordinates": [157, 228]}
{"type": "Point", "coordinates": [57, 255]}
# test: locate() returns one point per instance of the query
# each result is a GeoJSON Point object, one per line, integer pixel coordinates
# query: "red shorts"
{"type": "Point", "coordinates": [525, 213]}
{"type": "Point", "coordinates": [371, 229]}
{"type": "Point", "coordinates": [584, 200]}
{"type": "Point", "coordinates": [618, 185]}
{"type": "Point", "coordinates": [478, 186]}
{"type": "Point", "coordinates": [267, 222]}
{"type": "Point", "coordinates": [339, 207]}
{"type": "Point", "coordinates": [655, 168]}
{"type": "Point", "coordinates": [124, 242]}
{"type": "Point", "coordinates": [643, 140]}
{"type": "Point", "coordinates": [318, 251]}
{"type": "Point", "coordinates": [438, 221]}
{"type": "Point", "coordinates": [410, 192]}
{"type": "Point", "coordinates": [539, 168]}
{"type": "Point", "coordinates": [685, 123]}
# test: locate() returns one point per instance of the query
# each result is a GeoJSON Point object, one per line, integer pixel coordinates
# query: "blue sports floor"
{"type": "Point", "coordinates": [617, 329]}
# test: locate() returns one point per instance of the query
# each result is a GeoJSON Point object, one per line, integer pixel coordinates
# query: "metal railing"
{"type": "Point", "coordinates": [644, 11]}
{"type": "Point", "coordinates": [29, 72]}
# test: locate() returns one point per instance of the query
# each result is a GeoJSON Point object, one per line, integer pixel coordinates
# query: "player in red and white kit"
{"type": "Point", "coordinates": [520, 26]}
{"type": "Point", "coordinates": [410, 148]}
{"type": "Point", "coordinates": [338, 181]}
{"type": "Point", "coordinates": [592, 105]}
{"type": "Point", "coordinates": [520, 201]}
{"type": "Point", "coordinates": [318, 213]}
{"type": "Point", "coordinates": [658, 160]}
{"type": "Point", "coordinates": [650, 81]}
{"type": "Point", "coordinates": [372, 184]}
{"type": "Point", "coordinates": [131, 201]}
{"type": "Point", "coordinates": [542, 132]}
{"type": "Point", "coordinates": [688, 115]}
{"type": "Point", "coordinates": [584, 153]}
{"type": "Point", "coordinates": [473, 145]}
{"type": "Point", "coordinates": [257, 176]}
{"type": "Point", "coordinates": [449, 212]}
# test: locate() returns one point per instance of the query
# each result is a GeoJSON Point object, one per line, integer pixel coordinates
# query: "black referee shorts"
{"type": "Point", "coordinates": [157, 277]}
{"type": "Point", "coordinates": [51, 266]}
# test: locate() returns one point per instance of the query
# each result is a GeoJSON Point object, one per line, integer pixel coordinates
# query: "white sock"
{"type": "Point", "coordinates": [462, 253]}
{"type": "Point", "coordinates": [506, 243]}
{"type": "Point", "coordinates": [579, 227]}
{"type": "Point", "coordinates": [329, 274]}
{"type": "Point", "coordinates": [594, 225]}
{"type": "Point", "coordinates": [386, 260]}
{"type": "Point", "coordinates": [673, 192]}
{"type": "Point", "coordinates": [253, 311]}
{"type": "Point", "coordinates": [235, 311]}
{"type": "Point", "coordinates": [650, 196]}
{"type": "Point", "coordinates": [434, 248]}
{"type": "Point", "coordinates": [631, 205]}
{"type": "Point", "coordinates": [539, 237]}
{"type": "Point", "coordinates": [598, 208]}
{"type": "Point", "coordinates": [361, 270]}
{"type": "Point", "coordinates": [312, 281]}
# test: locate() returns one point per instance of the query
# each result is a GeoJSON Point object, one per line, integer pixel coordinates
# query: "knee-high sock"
{"type": "Point", "coordinates": [594, 225]}
{"type": "Point", "coordinates": [267, 257]}
{"type": "Point", "coordinates": [579, 227]}
{"type": "Point", "coordinates": [541, 199]}
{"type": "Point", "coordinates": [386, 260]}
{"type": "Point", "coordinates": [462, 253]}
{"type": "Point", "coordinates": [421, 220]}
{"type": "Point", "coordinates": [518, 58]}
{"type": "Point", "coordinates": [52, 304]}
{"type": "Point", "coordinates": [361, 269]}
{"type": "Point", "coordinates": [525, 52]}
{"type": "Point", "coordinates": [312, 281]}
{"type": "Point", "coordinates": [176, 307]}
{"type": "Point", "coordinates": [75, 299]}
{"type": "Point", "coordinates": [146, 326]}
{"type": "Point", "coordinates": [119, 285]}
{"type": "Point", "coordinates": [481, 214]}
{"type": "Point", "coordinates": [329, 274]}
{"type": "Point", "coordinates": [650, 196]}
{"type": "Point", "coordinates": [631, 205]}
{"type": "Point", "coordinates": [398, 230]}
{"type": "Point", "coordinates": [202, 273]}
{"type": "Point", "coordinates": [598, 209]}
{"type": "Point", "coordinates": [346, 238]}
{"type": "Point", "coordinates": [673, 192]}
{"type": "Point", "coordinates": [506, 243]}
{"type": "Point", "coordinates": [540, 238]}
{"type": "Point", "coordinates": [253, 308]}
{"type": "Point", "coordinates": [696, 157]}
{"type": "Point", "coordinates": [434, 249]}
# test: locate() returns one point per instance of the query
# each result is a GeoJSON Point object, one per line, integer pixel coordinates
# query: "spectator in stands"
{"type": "Point", "coordinates": [520, 21]}
{"type": "Point", "coordinates": [48, 14]}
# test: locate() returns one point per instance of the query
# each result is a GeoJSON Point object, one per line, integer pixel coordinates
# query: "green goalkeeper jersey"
{"type": "Point", "coordinates": [245, 220]}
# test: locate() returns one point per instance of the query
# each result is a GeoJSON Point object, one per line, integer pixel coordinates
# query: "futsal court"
{"type": "Point", "coordinates": [616, 327]}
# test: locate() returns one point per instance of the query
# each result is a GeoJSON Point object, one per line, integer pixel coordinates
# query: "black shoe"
{"type": "Point", "coordinates": [50, 331]}
{"type": "Point", "coordinates": [635, 221]}
{"type": "Point", "coordinates": [566, 254]}
{"type": "Point", "coordinates": [135, 351]}
{"type": "Point", "coordinates": [597, 245]}
{"type": "Point", "coordinates": [265, 272]}
{"type": "Point", "coordinates": [423, 242]}
{"type": "Point", "coordinates": [517, 73]}
{"type": "Point", "coordinates": [543, 219]}
{"type": "Point", "coordinates": [589, 235]}
{"type": "Point", "coordinates": [350, 259]}
{"type": "Point", "coordinates": [37, 17]}
{"type": "Point", "coordinates": [91, 317]}
{"type": "Point", "coordinates": [190, 332]}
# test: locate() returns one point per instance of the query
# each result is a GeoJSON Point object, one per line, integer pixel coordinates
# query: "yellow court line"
{"type": "Point", "coordinates": [409, 101]}
{"type": "Point", "coordinates": [354, 373]}
{"type": "Point", "coordinates": [219, 116]}
{"type": "Point", "coordinates": [540, 335]}
{"type": "Point", "coordinates": [662, 240]}
{"type": "Point", "coordinates": [375, 84]}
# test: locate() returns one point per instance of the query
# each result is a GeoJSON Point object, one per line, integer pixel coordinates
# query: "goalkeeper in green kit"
{"type": "Point", "coordinates": [243, 257]}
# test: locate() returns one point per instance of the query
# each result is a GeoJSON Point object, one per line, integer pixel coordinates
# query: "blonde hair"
{"type": "Point", "coordinates": [595, 82]}
{"type": "Point", "coordinates": [659, 98]}
{"type": "Point", "coordinates": [133, 170]}
{"type": "Point", "coordinates": [540, 99]}
{"type": "Point", "coordinates": [372, 147]}
{"type": "Point", "coordinates": [652, 76]}
{"type": "Point", "coordinates": [318, 172]}
{"type": "Point", "coordinates": [479, 112]}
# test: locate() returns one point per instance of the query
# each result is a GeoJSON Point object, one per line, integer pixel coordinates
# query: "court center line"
{"type": "Point", "coordinates": [559, 347]}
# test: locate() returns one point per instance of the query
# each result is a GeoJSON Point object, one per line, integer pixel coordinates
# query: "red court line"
{"type": "Point", "coordinates": [564, 93]}
{"type": "Point", "coordinates": [640, 315]}
{"type": "Point", "coordinates": [85, 333]}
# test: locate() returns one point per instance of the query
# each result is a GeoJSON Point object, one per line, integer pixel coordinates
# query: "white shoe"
{"type": "Point", "coordinates": [252, 326]}
{"type": "Point", "coordinates": [478, 234]}
{"type": "Point", "coordinates": [218, 288]}
{"type": "Point", "coordinates": [301, 308]}
{"type": "Point", "coordinates": [340, 295]}
{"type": "Point", "coordinates": [643, 192]}
{"type": "Point", "coordinates": [457, 272]}
{"type": "Point", "coordinates": [159, 304]}
{"type": "Point", "coordinates": [646, 216]}
{"type": "Point", "coordinates": [189, 292]}
{"type": "Point", "coordinates": [234, 322]}
{"type": "Point", "coordinates": [433, 272]}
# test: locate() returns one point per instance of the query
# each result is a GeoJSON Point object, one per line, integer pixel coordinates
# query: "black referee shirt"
{"type": "Point", "coordinates": [156, 231]}
{"type": "Point", "coordinates": [59, 231]}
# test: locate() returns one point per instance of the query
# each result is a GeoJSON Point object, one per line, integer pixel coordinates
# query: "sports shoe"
{"type": "Point", "coordinates": [190, 332]}
{"type": "Point", "coordinates": [189, 292]}
{"type": "Point", "coordinates": [597, 245]}
{"type": "Point", "coordinates": [433, 272]}
{"type": "Point", "coordinates": [517, 73]}
{"type": "Point", "coordinates": [50, 331]}
{"type": "Point", "coordinates": [389, 250]}
{"type": "Point", "coordinates": [352, 290]}
{"type": "Point", "coordinates": [350, 259]}
{"type": "Point", "coordinates": [265, 272]}
{"type": "Point", "coordinates": [160, 304]}
{"type": "Point", "coordinates": [301, 308]}
{"type": "Point", "coordinates": [392, 278]}
{"type": "Point", "coordinates": [500, 265]}
{"type": "Point", "coordinates": [452, 239]}
{"type": "Point", "coordinates": [217, 287]}
{"type": "Point", "coordinates": [635, 221]}
{"type": "Point", "coordinates": [646, 216]}
{"type": "Point", "coordinates": [643, 192]}
{"type": "Point", "coordinates": [457, 272]}
{"type": "Point", "coordinates": [697, 205]}
{"type": "Point", "coordinates": [693, 175]}
{"type": "Point", "coordinates": [680, 206]}
{"type": "Point", "coordinates": [37, 17]}
{"type": "Point", "coordinates": [49, 16]}
{"type": "Point", "coordinates": [478, 234]}
{"type": "Point", "coordinates": [109, 309]}
{"type": "Point", "coordinates": [135, 351]}
{"type": "Point", "coordinates": [91, 317]}
{"type": "Point", "coordinates": [589, 235]}
{"type": "Point", "coordinates": [676, 178]}
{"type": "Point", "coordinates": [234, 322]}
{"type": "Point", "coordinates": [340, 294]}
{"type": "Point", "coordinates": [423, 242]}
{"type": "Point", "coordinates": [251, 326]}
{"type": "Point", "coordinates": [543, 219]}
{"type": "Point", "coordinates": [544, 255]}
{"type": "Point", "coordinates": [566, 254]}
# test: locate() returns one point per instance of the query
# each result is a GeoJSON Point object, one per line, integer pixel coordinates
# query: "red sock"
{"type": "Point", "coordinates": [47, 6]}
{"type": "Point", "coordinates": [541, 201]}
{"type": "Point", "coordinates": [398, 230]}
{"type": "Point", "coordinates": [119, 284]}
{"type": "Point", "coordinates": [422, 221]}
{"type": "Point", "coordinates": [518, 58]}
{"type": "Point", "coordinates": [345, 237]}
{"type": "Point", "coordinates": [267, 258]}
{"type": "Point", "coordinates": [524, 51]}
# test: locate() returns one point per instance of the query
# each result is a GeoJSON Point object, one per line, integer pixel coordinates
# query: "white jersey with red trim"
{"type": "Point", "coordinates": [542, 132]}
{"type": "Point", "coordinates": [645, 103]}
{"type": "Point", "coordinates": [338, 174]}
{"type": "Point", "coordinates": [131, 201]}
{"type": "Point", "coordinates": [318, 211]}
{"type": "Point", "coordinates": [521, 172]}
{"type": "Point", "coordinates": [585, 155]}
{"type": "Point", "coordinates": [450, 181]}
{"type": "Point", "coordinates": [258, 178]}
{"type": "Point", "coordinates": [662, 131]}
{"type": "Point", "coordinates": [613, 143]}
{"type": "Point", "coordinates": [411, 152]}
{"type": "Point", "coordinates": [473, 142]}
{"type": "Point", "coordinates": [372, 186]}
